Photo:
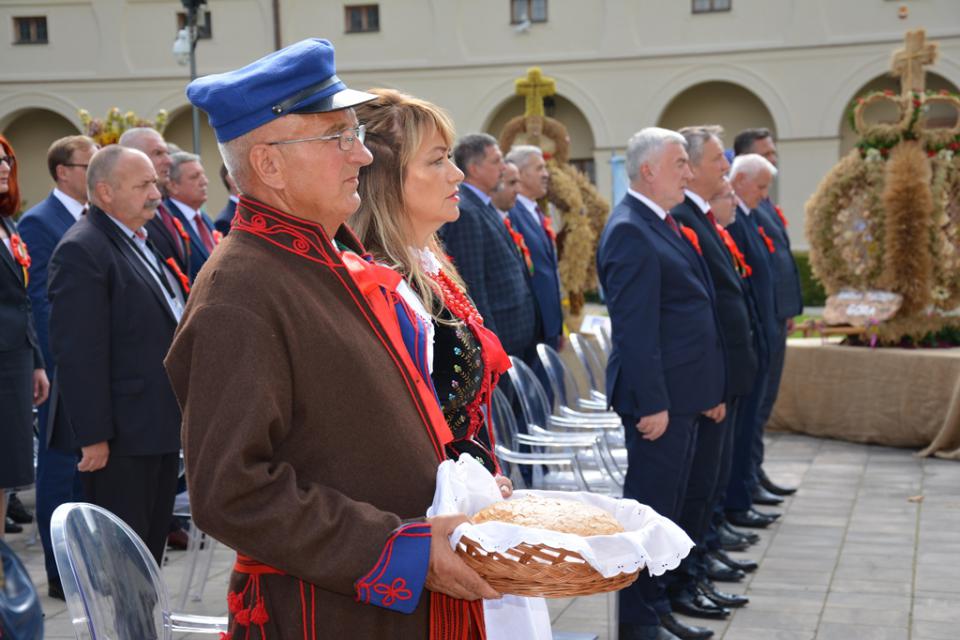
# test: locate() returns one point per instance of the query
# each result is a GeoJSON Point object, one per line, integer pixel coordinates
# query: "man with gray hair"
{"type": "Point", "coordinates": [491, 264]}
{"type": "Point", "coordinates": [537, 231]}
{"type": "Point", "coordinates": [750, 177]}
{"type": "Point", "coordinates": [666, 367]}
{"type": "Point", "coordinates": [114, 305]}
{"type": "Point", "coordinates": [186, 194]}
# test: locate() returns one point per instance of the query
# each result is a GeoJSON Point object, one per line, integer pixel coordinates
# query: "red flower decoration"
{"type": "Point", "coordinates": [183, 234]}
{"type": "Point", "coordinates": [217, 237]}
{"type": "Point", "coordinates": [185, 283]}
{"type": "Point", "coordinates": [21, 255]}
{"type": "Point", "coordinates": [887, 92]}
{"type": "Point", "coordinates": [548, 228]}
{"type": "Point", "coordinates": [517, 238]}
{"type": "Point", "coordinates": [692, 238]}
{"type": "Point", "coordinates": [783, 218]}
{"type": "Point", "coordinates": [739, 260]}
{"type": "Point", "coordinates": [397, 590]}
{"type": "Point", "coordinates": [763, 234]}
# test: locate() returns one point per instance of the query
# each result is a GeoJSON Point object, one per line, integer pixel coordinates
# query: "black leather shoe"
{"type": "Point", "coordinates": [770, 515]}
{"type": "Point", "coordinates": [729, 541]}
{"type": "Point", "coordinates": [773, 488]}
{"type": "Point", "coordinates": [762, 496]}
{"type": "Point", "coordinates": [747, 566]}
{"type": "Point", "coordinates": [749, 519]}
{"type": "Point", "coordinates": [55, 590]}
{"type": "Point", "coordinates": [719, 572]}
{"type": "Point", "coordinates": [696, 604]}
{"type": "Point", "coordinates": [19, 513]}
{"type": "Point", "coordinates": [9, 526]}
{"type": "Point", "coordinates": [684, 631]}
{"type": "Point", "coordinates": [643, 632]}
{"type": "Point", "coordinates": [750, 536]}
{"type": "Point", "coordinates": [722, 598]}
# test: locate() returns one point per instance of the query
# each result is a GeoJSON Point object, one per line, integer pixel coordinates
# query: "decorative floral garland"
{"type": "Point", "coordinates": [883, 137]}
{"type": "Point", "coordinates": [108, 130]}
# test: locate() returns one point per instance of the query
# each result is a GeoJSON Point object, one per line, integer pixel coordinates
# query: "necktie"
{"type": "Point", "coordinates": [712, 218]}
{"type": "Point", "coordinates": [204, 233]}
{"type": "Point", "coordinates": [167, 219]}
{"type": "Point", "coordinates": [672, 224]}
{"type": "Point", "coordinates": [84, 211]}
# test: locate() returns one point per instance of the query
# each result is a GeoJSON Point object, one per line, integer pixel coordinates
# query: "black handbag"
{"type": "Point", "coordinates": [21, 617]}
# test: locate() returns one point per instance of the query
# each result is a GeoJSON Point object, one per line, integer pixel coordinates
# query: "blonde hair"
{"type": "Point", "coordinates": [396, 126]}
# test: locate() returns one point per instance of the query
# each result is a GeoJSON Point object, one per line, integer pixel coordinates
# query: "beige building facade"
{"type": "Point", "coordinates": [619, 65]}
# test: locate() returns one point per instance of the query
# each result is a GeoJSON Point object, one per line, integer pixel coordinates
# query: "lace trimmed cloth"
{"type": "Point", "coordinates": [649, 540]}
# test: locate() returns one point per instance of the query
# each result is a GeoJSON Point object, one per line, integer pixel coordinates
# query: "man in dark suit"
{"type": "Point", "coordinates": [692, 591]}
{"type": "Point", "coordinates": [666, 367]}
{"type": "Point", "coordinates": [750, 177]}
{"type": "Point", "coordinates": [114, 307]}
{"type": "Point", "coordinates": [222, 223]}
{"type": "Point", "coordinates": [788, 298]}
{"type": "Point", "coordinates": [530, 221]}
{"type": "Point", "coordinates": [41, 227]}
{"type": "Point", "coordinates": [186, 194]}
{"type": "Point", "coordinates": [170, 239]}
{"type": "Point", "coordinates": [484, 253]}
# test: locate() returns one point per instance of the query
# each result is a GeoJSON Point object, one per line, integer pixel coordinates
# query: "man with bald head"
{"type": "Point", "coordinates": [114, 305]}
{"type": "Point", "coordinates": [309, 443]}
{"type": "Point", "coordinates": [164, 232]}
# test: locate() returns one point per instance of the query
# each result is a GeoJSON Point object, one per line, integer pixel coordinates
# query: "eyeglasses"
{"type": "Point", "coordinates": [345, 138]}
{"type": "Point", "coordinates": [10, 160]}
{"type": "Point", "coordinates": [75, 164]}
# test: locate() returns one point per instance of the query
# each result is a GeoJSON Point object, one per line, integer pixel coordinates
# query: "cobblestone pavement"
{"type": "Point", "coordinates": [868, 548]}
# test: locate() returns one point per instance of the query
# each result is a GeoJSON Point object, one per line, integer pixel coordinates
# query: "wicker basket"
{"type": "Point", "coordinates": [539, 571]}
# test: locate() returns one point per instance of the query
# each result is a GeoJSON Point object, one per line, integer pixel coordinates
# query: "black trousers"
{"type": "Point", "coordinates": [778, 353]}
{"type": "Point", "coordinates": [140, 491]}
{"type": "Point", "coordinates": [657, 475]}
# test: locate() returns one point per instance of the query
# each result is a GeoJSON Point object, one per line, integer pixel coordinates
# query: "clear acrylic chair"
{"type": "Point", "coordinates": [587, 439]}
{"type": "Point", "coordinates": [591, 362]}
{"type": "Point", "coordinates": [549, 470]}
{"type": "Point", "coordinates": [199, 555]}
{"type": "Point", "coordinates": [112, 584]}
{"type": "Point", "coordinates": [567, 398]}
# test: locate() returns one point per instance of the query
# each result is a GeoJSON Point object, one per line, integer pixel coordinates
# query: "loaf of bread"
{"type": "Point", "coordinates": [565, 516]}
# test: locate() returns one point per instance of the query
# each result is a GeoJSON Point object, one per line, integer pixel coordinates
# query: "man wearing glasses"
{"type": "Point", "coordinates": [41, 228]}
{"type": "Point", "coordinates": [309, 445]}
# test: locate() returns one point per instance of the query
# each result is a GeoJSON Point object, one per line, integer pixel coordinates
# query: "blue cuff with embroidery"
{"type": "Point", "coordinates": [396, 581]}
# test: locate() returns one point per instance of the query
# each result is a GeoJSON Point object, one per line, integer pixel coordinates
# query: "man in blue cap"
{"type": "Point", "coordinates": [294, 419]}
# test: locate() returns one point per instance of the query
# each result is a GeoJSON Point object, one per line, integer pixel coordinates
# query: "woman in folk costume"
{"type": "Point", "coordinates": [407, 194]}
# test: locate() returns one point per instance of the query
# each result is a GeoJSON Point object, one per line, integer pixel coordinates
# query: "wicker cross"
{"type": "Point", "coordinates": [534, 87]}
{"type": "Point", "coordinates": [908, 63]}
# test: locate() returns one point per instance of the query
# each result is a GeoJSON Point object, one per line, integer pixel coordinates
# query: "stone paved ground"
{"type": "Point", "coordinates": [852, 558]}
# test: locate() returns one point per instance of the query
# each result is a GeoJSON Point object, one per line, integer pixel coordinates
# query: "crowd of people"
{"type": "Point", "coordinates": [339, 330]}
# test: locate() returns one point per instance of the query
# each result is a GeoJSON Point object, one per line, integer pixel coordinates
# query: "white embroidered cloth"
{"type": "Point", "coordinates": [649, 540]}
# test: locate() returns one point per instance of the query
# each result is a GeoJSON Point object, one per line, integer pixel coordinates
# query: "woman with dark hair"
{"type": "Point", "coordinates": [23, 381]}
{"type": "Point", "coordinates": [407, 194]}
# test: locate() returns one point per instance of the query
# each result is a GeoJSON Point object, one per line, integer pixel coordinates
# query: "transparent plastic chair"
{"type": "Point", "coordinates": [113, 586]}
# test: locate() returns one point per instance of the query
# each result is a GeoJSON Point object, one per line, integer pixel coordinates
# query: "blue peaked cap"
{"type": "Point", "coordinates": [300, 78]}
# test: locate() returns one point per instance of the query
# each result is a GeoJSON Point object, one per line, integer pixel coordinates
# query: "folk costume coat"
{"type": "Point", "coordinates": [306, 446]}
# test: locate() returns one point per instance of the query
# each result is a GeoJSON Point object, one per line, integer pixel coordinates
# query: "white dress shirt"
{"type": "Point", "coordinates": [192, 215]}
{"type": "Point", "coordinates": [703, 204]}
{"type": "Point", "coordinates": [75, 207]}
{"type": "Point", "coordinates": [153, 265]}
{"type": "Point", "coordinates": [650, 203]}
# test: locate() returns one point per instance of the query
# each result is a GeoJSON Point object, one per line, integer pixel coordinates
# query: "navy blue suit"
{"type": "Point", "coordinates": [713, 457]}
{"type": "Point", "coordinates": [496, 275]}
{"type": "Point", "coordinates": [788, 302]}
{"type": "Point", "coordinates": [546, 279]}
{"type": "Point", "coordinates": [58, 481]}
{"type": "Point", "coordinates": [743, 477]}
{"type": "Point", "coordinates": [667, 355]}
{"type": "Point", "coordinates": [222, 223]}
{"type": "Point", "coordinates": [198, 252]}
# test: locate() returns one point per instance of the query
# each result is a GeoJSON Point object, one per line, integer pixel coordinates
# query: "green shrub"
{"type": "Point", "coordinates": [813, 293]}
